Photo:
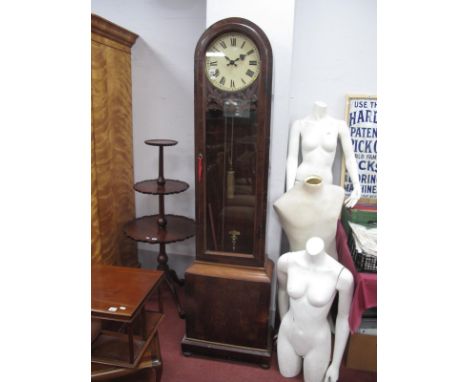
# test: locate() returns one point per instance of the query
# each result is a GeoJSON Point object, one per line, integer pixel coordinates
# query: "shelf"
{"type": "Point", "coordinates": [146, 229]}
{"type": "Point", "coordinates": [161, 142]}
{"type": "Point", "coordinates": [101, 372]}
{"type": "Point", "coordinates": [112, 348]}
{"type": "Point", "coordinates": [152, 187]}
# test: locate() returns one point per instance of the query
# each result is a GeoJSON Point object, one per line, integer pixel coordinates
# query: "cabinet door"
{"type": "Point", "coordinates": [113, 198]}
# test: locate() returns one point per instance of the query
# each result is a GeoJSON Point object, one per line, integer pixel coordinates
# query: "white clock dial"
{"type": "Point", "coordinates": [232, 62]}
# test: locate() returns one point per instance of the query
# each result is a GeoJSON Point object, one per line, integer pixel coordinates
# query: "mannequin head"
{"type": "Point", "coordinates": [315, 246]}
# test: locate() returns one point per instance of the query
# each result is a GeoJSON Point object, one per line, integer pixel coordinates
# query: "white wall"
{"type": "Point", "coordinates": [162, 80]}
{"type": "Point", "coordinates": [335, 53]}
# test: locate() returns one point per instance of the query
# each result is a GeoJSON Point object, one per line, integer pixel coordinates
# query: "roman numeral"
{"type": "Point", "coordinates": [243, 81]}
{"type": "Point", "coordinates": [233, 85]}
{"type": "Point", "coordinates": [216, 73]}
{"type": "Point", "coordinates": [250, 52]}
{"type": "Point", "coordinates": [222, 81]}
{"type": "Point", "coordinates": [252, 62]}
{"type": "Point", "coordinates": [233, 41]}
{"type": "Point", "coordinates": [213, 63]}
{"type": "Point", "coordinates": [250, 73]}
{"type": "Point", "coordinates": [223, 44]}
{"type": "Point", "coordinates": [243, 44]}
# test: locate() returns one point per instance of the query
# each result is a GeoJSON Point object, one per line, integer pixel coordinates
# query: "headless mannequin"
{"type": "Point", "coordinates": [310, 208]}
{"type": "Point", "coordinates": [318, 134]}
{"type": "Point", "coordinates": [308, 281]}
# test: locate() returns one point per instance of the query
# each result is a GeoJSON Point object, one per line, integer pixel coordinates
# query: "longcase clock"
{"type": "Point", "coordinates": [228, 287]}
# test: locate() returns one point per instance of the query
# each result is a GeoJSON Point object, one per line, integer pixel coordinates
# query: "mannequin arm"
{"type": "Point", "coordinates": [345, 289]}
{"type": "Point", "coordinates": [351, 164]}
{"type": "Point", "coordinates": [293, 155]}
{"type": "Point", "coordinates": [282, 273]}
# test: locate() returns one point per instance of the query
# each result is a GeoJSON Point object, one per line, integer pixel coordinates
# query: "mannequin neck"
{"type": "Point", "coordinates": [319, 110]}
{"type": "Point", "coordinates": [313, 184]}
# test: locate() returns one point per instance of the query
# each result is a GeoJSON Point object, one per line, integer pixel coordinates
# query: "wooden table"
{"type": "Point", "coordinates": [130, 342]}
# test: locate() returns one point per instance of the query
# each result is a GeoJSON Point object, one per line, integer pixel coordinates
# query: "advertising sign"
{"type": "Point", "coordinates": [361, 117]}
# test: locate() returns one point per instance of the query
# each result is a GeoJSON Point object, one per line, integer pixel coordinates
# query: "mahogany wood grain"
{"type": "Point", "coordinates": [120, 294]}
{"type": "Point", "coordinates": [206, 96]}
{"type": "Point", "coordinates": [253, 274]}
{"type": "Point", "coordinates": [227, 310]}
{"type": "Point", "coordinates": [113, 199]}
{"type": "Point", "coordinates": [121, 286]}
{"type": "Point", "coordinates": [160, 142]}
{"type": "Point", "coordinates": [171, 186]}
{"type": "Point", "coordinates": [143, 373]}
{"type": "Point", "coordinates": [121, 350]}
{"type": "Point", "coordinates": [228, 293]}
{"type": "Point", "coordinates": [161, 228]}
{"type": "Point", "coordinates": [146, 229]}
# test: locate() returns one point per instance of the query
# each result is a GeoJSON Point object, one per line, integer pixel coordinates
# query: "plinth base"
{"type": "Point", "coordinates": [227, 311]}
{"type": "Point", "coordinates": [262, 357]}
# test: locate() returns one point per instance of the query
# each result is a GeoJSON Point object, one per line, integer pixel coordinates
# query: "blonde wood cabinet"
{"type": "Point", "coordinates": [112, 194]}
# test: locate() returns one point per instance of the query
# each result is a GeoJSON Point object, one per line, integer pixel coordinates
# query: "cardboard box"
{"type": "Point", "coordinates": [362, 352]}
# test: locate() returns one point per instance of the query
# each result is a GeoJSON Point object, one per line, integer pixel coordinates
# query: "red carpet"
{"type": "Point", "coordinates": [178, 368]}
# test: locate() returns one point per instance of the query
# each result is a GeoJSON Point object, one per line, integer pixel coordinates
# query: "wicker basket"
{"type": "Point", "coordinates": [363, 262]}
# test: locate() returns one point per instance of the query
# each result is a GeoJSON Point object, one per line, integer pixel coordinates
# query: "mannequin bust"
{"type": "Point", "coordinates": [310, 208]}
{"type": "Point", "coordinates": [308, 281]}
{"type": "Point", "coordinates": [318, 134]}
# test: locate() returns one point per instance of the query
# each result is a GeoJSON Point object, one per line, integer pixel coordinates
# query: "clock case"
{"type": "Point", "coordinates": [227, 293]}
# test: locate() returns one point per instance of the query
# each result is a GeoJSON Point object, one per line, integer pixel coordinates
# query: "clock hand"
{"type": "Point", "coordinates": [231, 62]}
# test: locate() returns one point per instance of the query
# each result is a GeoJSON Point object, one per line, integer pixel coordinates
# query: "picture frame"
{"type": "Point", "coordinates": [361, 119]}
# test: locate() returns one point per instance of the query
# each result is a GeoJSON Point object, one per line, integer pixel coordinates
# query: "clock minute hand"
{"type": "Point", "coordinates": [231, 62]}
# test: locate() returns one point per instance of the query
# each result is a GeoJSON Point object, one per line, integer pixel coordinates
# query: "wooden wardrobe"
{"type": "Point", "coordinates": [112, 194]}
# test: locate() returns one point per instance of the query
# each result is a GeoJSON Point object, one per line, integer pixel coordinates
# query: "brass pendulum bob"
{"type": "Point", "coordinates": [234, 235]}
{"type": "Point", "coordinates": [230, 183]}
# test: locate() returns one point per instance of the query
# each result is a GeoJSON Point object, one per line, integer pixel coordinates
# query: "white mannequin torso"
{"type": "Point", "coordinates": [318, 147]}
{"type": "Point", "coordinates": [318, 135]}
{"type": "Point", "coordinates": [308, 282]}
{"type": "Point", "coordinates": [311, 208]}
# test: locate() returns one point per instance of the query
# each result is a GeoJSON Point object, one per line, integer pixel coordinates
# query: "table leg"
{"type": "Point", "coordinates": [130, 342]}
{"type": "Point", "coordinates": [143, 323]}
{"type": "Point", "coordinates": [156, 357]}
{"type": "Point", "coordinates": [160, 301]}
